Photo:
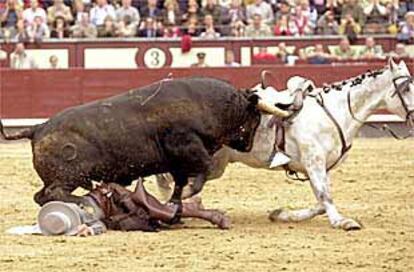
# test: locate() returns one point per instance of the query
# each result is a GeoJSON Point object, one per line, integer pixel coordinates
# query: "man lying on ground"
{"type": "Point", "coordinates": [117, 208]}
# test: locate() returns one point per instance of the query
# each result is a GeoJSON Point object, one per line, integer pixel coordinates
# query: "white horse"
{"type": "Point", "coordinates": [322, 133]}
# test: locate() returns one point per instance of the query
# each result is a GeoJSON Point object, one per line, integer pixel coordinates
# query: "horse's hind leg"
{"type": "Point", "coordinates": [319, 180]}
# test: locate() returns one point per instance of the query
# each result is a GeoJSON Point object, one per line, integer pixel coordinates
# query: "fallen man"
{"type": "Point", "coordinates": [117, 208]}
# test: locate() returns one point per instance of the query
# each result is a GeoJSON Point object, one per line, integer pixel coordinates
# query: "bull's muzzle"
{"type": "Point", "coordinates": [271, 109]}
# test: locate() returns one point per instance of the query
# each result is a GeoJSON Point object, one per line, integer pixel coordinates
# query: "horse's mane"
{"type": "Point", "coordinates": [354, 81]}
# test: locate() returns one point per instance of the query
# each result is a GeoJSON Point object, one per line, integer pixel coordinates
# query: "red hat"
{"type": "Point", "coordinates": [186, 43]}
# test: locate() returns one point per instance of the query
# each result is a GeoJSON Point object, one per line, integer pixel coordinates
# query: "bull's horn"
{"type": "Point", "coordinates": [272, 109]}
{"type": "Point", "coordinates": [263, 77]}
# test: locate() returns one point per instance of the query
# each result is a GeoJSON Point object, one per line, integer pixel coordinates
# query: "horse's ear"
{"type": "Point", "coordinates": [392, 64]}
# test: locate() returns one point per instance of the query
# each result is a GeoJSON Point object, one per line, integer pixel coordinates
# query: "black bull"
{"type": "Point", "coordinates": [170, 126]}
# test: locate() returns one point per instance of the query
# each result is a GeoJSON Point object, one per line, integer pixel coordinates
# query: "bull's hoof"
{"type": "Point", "coordinates": [348, 224]}
{"type": "Point", "coordinates": [274, 216]}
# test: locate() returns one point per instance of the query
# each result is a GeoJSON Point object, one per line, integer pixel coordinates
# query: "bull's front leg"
{"type": "Point", "coordinates": [315, 165]}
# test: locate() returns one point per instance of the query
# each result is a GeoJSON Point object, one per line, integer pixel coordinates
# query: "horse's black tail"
{"type": "Point", "coordinates": [22, 134]}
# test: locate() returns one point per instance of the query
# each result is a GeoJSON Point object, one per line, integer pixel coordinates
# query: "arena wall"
{"type": "Point", "coordinates": [42, 93]}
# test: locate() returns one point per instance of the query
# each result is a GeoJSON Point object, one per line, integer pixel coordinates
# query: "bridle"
{"type": "Point", "coordinates": [401, 88]}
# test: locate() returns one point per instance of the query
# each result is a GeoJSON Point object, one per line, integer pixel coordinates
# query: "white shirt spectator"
{"type": "Point", "coordinates": [263, 9]}
{"type": "Point", "coordinates": [99, 13]}
{"type": "Point", "coordinates": [132, 12]}
{"type": "Point", "coordinates": [29, 14]}
{"type": "Point", "coordinates": [22, 61]}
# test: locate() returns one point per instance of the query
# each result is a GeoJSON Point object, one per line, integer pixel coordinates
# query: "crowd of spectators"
{"type": "Point", "coordinates": [35, 20]}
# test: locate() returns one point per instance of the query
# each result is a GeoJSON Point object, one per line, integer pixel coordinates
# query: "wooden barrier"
{"type": "Point", "coordinates": [42, 93]}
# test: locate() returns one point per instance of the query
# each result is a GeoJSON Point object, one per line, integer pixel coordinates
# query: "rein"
{"type": "Point", "coordinates": [345, 148]}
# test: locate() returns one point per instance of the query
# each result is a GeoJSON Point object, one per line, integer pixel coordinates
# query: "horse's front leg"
{"type": "Point", "coordinates": [319, 180]}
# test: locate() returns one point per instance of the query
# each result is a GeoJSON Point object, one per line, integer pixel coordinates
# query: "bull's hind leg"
{"type": "Point", "coordinates": [58, 192]}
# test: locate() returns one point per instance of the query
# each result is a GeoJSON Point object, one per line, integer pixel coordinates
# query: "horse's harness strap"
{"type": "Point", "coordinates": [345, 148]}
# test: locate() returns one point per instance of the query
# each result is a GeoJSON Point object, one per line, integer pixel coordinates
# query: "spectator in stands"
{"type": "Point", "coordinates": [60, 29]}
{"type": "Point", "coordinates": [30, 13]}
{"type": "Point", "coordinates": [192, 29]}
{"type": "Point", "coordinates": [149, 29]}
{"type": "Point", "coordinates": [285, 27]}
{"type": "Point", "coordinates": [318, 55]}
{"type": "Point", "coordinates": [237, 12]}
{"type": "Point", "coordinates": [309, 12]}
{"type": "Point", "coordinates": [151, 10]}
{"type": "Point", "coordinates": [100, 12]}
{"type": "Point", "coordinates": [171, 14]}
{"type": "Point", "coordinates": [171, 31]}
{"type": "Point", "coordinates": [238, 29]}
{"type": "Point", "coordinates": [320, 6]}
{"type": "Point", "coordinates": [327, 25]}
{"type": "Point", "coordinates": [354, 9]}
{"type": "Point", "coordinates": [53, 62]}
{"type": "Point", "coordinates": [284, 10]}
{"type": "Point", "coordinates": [83, 28]}
{"type": "Point", "coordinates": [371, 50]}
{"type": "Point", "coordinates": [3, 56]}
{"type": "Point", "coordinates": [108, 29]}
{"type": "Point", "coordinates": [126, 10]}
{"type": "Point", "coordinates": [209, 30]}
{"type": "Point", "coordinates": [22, 35]}
{"type": "Point", "coordinates": [261, 8]}
{"type": "Point", "coordinates": [263, 56]}
{"type": "Point", "coordinates": [59, 9]}
{"type": "Point", "coordinates": [349, 27]}
{"type": "Point", "coordinates": [79, 10]}
{"type": "Point", "coordinates": [399, 51]}
{"type": "Point", "coordinates": [375, 14]}
{"type": "Point", "coordinates": [38, 30]}
{"type": "Point", "coordinates": [336, 7]}
{"type": "Point", "coordinates": [407, 28]}
{"type": "Point", "coordinates": [9, 17]}
{"type": "Point", "coordinates": [301, 21]}
{"type": "Point", "coordinates": [392, 17]}
{"type": "Point", "coordinates": [229, 60]}
{"type": "Point", "coordinates": [282, 53]}
{"type": "Point", "coordinates": [20, 60]}
{"type": "Point", "coordinates": [126, 27]}
{"type": "Point", "coordinates": [213, 9]}
{"type": "Point", "coordinates": [257, 29]}
{"type": "Point", "coordinates": [201, 60]}
{"type": "Point", "coordinates": [344, 50]}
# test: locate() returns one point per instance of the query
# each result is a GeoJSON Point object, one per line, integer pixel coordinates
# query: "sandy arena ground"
{"type": "Point", "coordinates": [375, 185]}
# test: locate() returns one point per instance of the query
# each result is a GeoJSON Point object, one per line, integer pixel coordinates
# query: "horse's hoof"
{"type": "Point", "coordinates": [274, 215]}
{"type": "Point", "coordinates": [349, 224]}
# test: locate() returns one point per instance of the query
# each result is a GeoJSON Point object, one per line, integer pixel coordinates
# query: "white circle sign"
{"type": "Point", "coordinates": [154, 58]}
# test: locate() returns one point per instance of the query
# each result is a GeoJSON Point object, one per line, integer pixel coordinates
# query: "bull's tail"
{"type": "Point", "coordinates": [22, 134]}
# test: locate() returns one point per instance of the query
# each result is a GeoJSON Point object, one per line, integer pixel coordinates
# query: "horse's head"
{"type": "Point", "coordinates": [400, 97]}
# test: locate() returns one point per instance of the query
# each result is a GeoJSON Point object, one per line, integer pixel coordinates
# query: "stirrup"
{"type": "Point", "coordinates": [279, 159]}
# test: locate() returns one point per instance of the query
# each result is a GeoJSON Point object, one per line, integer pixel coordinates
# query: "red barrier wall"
{"type": "Point", "coordinates": [42, 93]}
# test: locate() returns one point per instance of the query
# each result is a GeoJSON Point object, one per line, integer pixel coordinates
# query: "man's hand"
{"type": "Point", "coordinates": [84, 231]}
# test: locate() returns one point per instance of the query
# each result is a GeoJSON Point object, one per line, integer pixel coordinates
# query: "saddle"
{"type": "Point", "coordinates": [291, 100]}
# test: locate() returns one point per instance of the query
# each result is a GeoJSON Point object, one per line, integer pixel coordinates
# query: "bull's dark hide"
{"type": "Point", "coordinates": [170, 126]}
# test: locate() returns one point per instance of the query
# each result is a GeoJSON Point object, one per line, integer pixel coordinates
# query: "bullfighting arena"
{"type": "Point", "coordinates": [375, 185]}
